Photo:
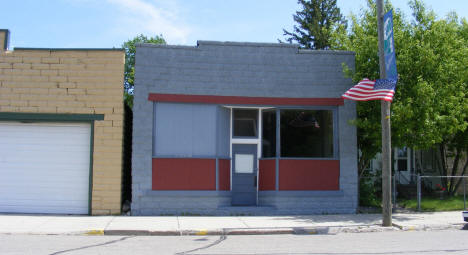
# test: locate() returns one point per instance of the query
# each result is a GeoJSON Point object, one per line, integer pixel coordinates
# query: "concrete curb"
{"type": "Point", "coordinates": [255, 231]}
{"type": "Point", "coordinates": [331, 230]}
{"type": "Point", "coordinates": [141, 233]}
{"type": "Point", "coordinates": [203, 232]}
{"type": "Point", "coordinates": [433, 227]}
{"type": "Point", "coordinates": [282, 231]}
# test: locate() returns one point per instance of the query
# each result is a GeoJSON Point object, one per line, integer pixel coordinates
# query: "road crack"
{"type": "Point", "coordinates": [221, 238]}
{"type": "Point", "coordinates": [94, 245]}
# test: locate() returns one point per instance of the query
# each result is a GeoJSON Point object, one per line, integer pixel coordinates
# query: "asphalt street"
{"type": "Point", "coordinates": [394, 242]}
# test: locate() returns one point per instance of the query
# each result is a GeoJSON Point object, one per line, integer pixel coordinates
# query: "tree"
{"type": "Point", "coordinates": [129, 72]}
{"type": "Point", "coordinates": [316, 22]}
{"type": "Point", "coordinates": [430, 107]}
{"type": "Point", "coordinates": [363, 40]}
{"type": "Point", "coordinates": [434, 91]}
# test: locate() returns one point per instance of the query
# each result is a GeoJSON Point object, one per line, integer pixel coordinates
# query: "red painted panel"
{"type": "Point", "coordinates": [184, 174]}
{"type": "Point", "coordinates": [224, 174]}
{"type": "Point", "coordinates": [180, 98]}
{"type": "Point", "coordinates": [267, 175]}
{"type": "Point", "coordinates": [305, 174]}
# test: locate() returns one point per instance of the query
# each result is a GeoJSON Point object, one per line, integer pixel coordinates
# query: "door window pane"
{"type": "Point", "coordinates": [244, 163]}
{"type": "Point", "coordinates": [269, 133]}
{"type": "Point", "coordinates": [245, 122]}
{"type": "Point", "coordinates": [306, 133]}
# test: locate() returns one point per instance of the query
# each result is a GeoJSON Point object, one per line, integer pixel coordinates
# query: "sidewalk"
{"type": "Point", "coordinates": [213, 225]}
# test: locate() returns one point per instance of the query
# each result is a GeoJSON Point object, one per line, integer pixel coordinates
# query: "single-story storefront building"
{"type": "Point", "coordinates": [61, 119]}
{"type": "Point", "coordinates": [227, 128]}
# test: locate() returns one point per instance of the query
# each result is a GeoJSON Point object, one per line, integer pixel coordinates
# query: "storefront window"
{"type": "Point", "coordinates": [306, 133]}
{"type": "Point", "coordinates": [269, 133]}
{"type": "Point", "coordinates": [245, 123]}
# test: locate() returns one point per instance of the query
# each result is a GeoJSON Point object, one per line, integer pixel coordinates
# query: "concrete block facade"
{"type": "Point", "coordinates": [250, 70]}
{"type": "Point", "coordinates": [73, 81]}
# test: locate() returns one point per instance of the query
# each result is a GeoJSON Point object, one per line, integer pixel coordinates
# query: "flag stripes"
{"type": "Point", "coordinates": [366, 90]}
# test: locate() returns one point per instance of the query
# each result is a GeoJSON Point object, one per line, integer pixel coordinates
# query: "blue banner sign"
{"type": "Point", "coordinates": [389, 46]}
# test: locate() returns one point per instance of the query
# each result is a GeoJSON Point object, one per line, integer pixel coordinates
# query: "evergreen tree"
{"type": "Point", "coordinates": [315, 24]}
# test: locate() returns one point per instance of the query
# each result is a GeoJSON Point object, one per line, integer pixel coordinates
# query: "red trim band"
{"type": "Point", "coordinates": [180, 98]}
{"type": "Point", "coordinates": [224, 174]}
{"type": "Point", "coordinates": [309, 174]}
{"type": "Point", "coordinates": [267, 174]}
{"type": "Point", "coordinates": [184, 174]}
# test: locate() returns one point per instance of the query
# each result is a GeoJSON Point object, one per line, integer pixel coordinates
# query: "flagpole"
{"type": "Point", "coordinates": [386, 132]}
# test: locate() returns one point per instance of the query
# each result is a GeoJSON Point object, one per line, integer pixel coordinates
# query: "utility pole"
{"type": "Point", "coordinates": [386, 135]}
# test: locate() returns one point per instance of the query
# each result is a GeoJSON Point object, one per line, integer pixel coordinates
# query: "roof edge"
{"type": "Point", "coordinates": [331, 52]}
{"type": "Point", "coordinates": [70, 49]}
{"type": "Point", "coordinates": [152, 45]}
{"type": "Point", "coordinates": [254, 44]}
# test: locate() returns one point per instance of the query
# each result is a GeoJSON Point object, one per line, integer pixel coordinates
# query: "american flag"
{"type": "Point", "coordinates": [367, 90]}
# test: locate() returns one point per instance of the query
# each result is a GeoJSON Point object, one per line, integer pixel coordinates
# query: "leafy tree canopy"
{"type": "Point", "coordinates": [430, 106]}
{"type": "Point", "coordinates": [129, 72]}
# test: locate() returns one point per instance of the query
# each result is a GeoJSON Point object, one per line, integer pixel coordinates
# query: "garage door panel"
{"type": "Point", "coordinates": [33, 146]}
{"type": "Point", "coordinates": [46, 167]}
{"type": "Point", "coordinates": [45, 193]}
{"type": "Point", "coordinates": [54, 180]}
{"type": "Point", "coordinates": [58, 209]}
{"type": "Point", "coordinates": [28, 185]}
{"type": "Point", "coordinates": [29, 151]}
{"type": "Point", "coordinates": [60, 166]}
{"type": "Point", "coordinates": [37, 198]}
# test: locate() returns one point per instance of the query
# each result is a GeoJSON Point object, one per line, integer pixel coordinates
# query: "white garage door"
{"type": "Point", "coordinates": [44, 167]}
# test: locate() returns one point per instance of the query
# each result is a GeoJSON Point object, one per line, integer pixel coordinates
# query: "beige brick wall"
{"type": "Point", "coordinates": [79, 82]}
{"type": "Point", "coordinates": [2, 39]}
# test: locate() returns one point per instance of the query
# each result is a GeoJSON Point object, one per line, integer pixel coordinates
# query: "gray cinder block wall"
{"type": "Point", "coordinates": [240, 69]}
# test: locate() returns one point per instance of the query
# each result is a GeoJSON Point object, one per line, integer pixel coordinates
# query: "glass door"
{"type": "Point", "coordinates": [245, 137]}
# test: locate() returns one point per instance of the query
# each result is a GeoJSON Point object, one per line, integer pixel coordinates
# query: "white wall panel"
{"type": "Point", "coordinates": [185, 130]}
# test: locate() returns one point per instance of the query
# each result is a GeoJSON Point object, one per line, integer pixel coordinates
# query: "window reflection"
{"type": "Point", "coordinates": [245, 122]}
{"type": "Point", "coordinates": [306, 133]}
{"type": "Point", "coordinates": [269, 133]}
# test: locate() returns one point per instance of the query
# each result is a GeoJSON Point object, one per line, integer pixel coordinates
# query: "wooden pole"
{"type": "Point", "coordinates": [386, 135]}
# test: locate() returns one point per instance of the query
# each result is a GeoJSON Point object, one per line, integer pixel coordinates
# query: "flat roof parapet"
{"type": "Point", "coordinates": [5, 36]}
{"type": "Point", "coordinates": [69, 49]}
{"type": "Point", "coordinates": [202, 43]}
{"type": "Point", "coordinates": [331, 52]}
{"type": "Point", "coordinates": [250, 44]}
{"type": "Point", "coordinates": [166, 46]}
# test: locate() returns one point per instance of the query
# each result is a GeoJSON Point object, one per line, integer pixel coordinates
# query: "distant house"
{"type": "Point", "coordinates": [242, 128]}
{"type": "Point", "coordinates": [408, 163]}
{"type": "Point", "coordinates": [61, 115]}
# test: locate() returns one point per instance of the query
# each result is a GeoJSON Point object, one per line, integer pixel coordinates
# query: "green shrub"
{"type": "Point", "coordinates": [370, 189]}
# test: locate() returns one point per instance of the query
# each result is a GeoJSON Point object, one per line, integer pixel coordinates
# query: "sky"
{"type": "Point", "coordinates": [109, 23]}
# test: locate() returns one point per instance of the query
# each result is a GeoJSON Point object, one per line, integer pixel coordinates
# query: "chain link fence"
{"type": "Point", "coordinates": [420, 181]}
{"type": "Point", "coordinates": [407, 187]}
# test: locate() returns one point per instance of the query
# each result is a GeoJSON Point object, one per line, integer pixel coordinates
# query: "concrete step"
{"type": "Point", "coordinates": [247, 210]}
